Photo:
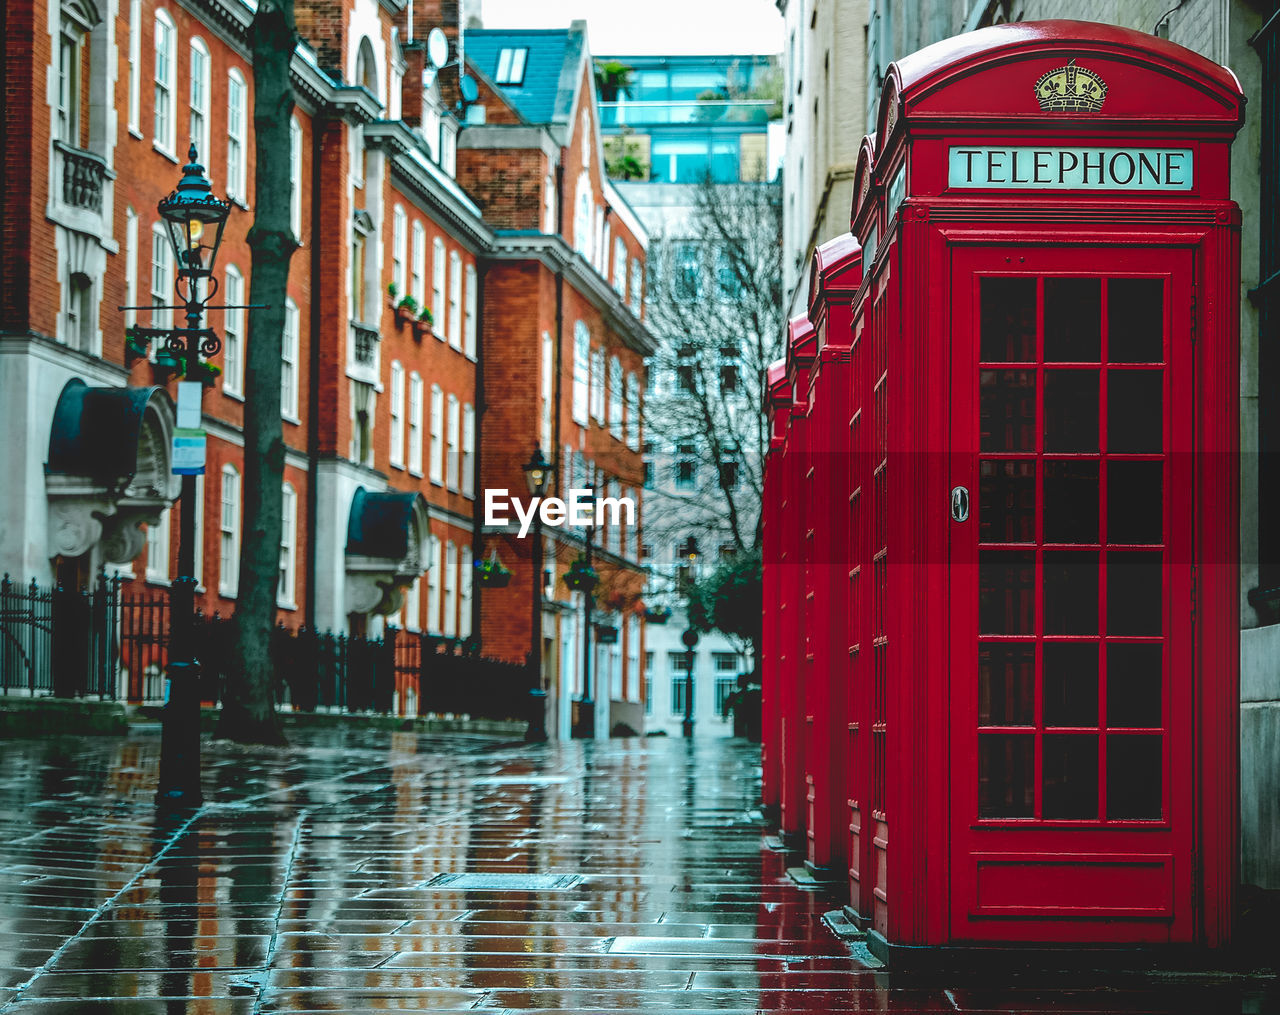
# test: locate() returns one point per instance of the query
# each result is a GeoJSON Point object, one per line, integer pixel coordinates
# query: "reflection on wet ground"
{"type": "Point", "coordinates": [364, 871]}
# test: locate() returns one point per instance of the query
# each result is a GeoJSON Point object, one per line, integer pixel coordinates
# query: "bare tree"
{"type": "Point", "coordinates": [248, 709]}
{"type": "Point", "coordinates": [717, 310]}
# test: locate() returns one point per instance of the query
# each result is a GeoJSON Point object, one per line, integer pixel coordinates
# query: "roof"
{"type": "Point", "coordinates": [551, 69]}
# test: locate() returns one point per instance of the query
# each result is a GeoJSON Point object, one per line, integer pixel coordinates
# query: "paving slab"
{"type": "Point", "coordinates": [361, 870]}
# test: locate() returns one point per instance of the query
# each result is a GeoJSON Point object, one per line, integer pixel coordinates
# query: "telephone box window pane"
{"type": "Point", "coordinates": [1134, 685]}
{"type": "Point", "coordinates": [1006, 684]}
{"type": "Point", "coordinates": [1007, 502]}
{"type": "Point", "coordinates": [1071, 410]}
{"type": "Point", "coordinates": [1072, 320]}
{"type": "Point", "coordinates": [1071, 501]}
{"type": "Point", "coordinates": [1008, 407]}
{"type": "Point", "coordinates": [1070, 683]}
{"type": "Point", "coordinates": [1135, 602]}
{"type": "Point", "coordinates": [1135, 783]}
{"type": "Point", "coordinates": [1135, 508]}
{"type": "Point", "coordinates": [1008, 320]}
{"type": "Point", "coordinates": [1006, 592]}
{"type": "Point", "coordinates": [1006, 774]}
{"type": "Point", "coordinates": [1135, 320]}
{"type": "Point", "coordinates": [1070, 592]}
{"type": "Point", "coordinates": [1136, 419]}
{"type": "Point", "coordinates": [1070, 775]}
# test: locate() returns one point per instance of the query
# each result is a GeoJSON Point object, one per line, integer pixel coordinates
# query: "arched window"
{"type": "Point", "coordinates": [289, 363]}
{"type": "Point", "coordinates": [399, 242]}
{"type": "Point", "coordinates": [73, 44]}
{"type": "Point", "coordinates": [166, 76]}
{"type": "Point", "coordinates": [199, 98]}
{"type": "Point", "coordinates": [295, 177]}
{"type": "Point", "coordinates": [366, 76]}
{"type": "Point", "coordinates": [237, 103]}
{"type": "Point", "coordinates": [229, 533]}
{"type": "Point", "coordinates": [395, 455]}
{"type": "Point", "coordinates": [548, 205]}
{"type": "Point", "coordinates": [286, 586]}
{"type": "Point", "coordinates": [584, 203]}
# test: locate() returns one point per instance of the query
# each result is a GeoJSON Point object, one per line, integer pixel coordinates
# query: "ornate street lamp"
{"type": "Point", "coordinates": [538, 473]}
{"type": "Point", "coordinates": [194, 220]}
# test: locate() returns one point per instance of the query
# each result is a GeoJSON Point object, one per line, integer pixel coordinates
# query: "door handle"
{"type": "Point", "coordinates": [959, 504]}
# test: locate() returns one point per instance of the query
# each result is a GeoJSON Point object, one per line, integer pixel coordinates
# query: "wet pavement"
{"type": "Point", "coordinates": [361, 871]}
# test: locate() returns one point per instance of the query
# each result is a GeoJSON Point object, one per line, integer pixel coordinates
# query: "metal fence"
{"type": "Point", "coordinates": [111, 642]}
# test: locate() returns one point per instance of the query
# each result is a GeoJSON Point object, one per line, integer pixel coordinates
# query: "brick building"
{"type": "Point", "coordinates": [387, 324]}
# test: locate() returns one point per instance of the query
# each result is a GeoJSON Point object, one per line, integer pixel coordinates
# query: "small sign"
{"type": "Point", "coordinates": [1052, 168]}
{"type": "Point", "coordinates": [189, 395]}
{"type": "Point", "coordinates": [188, 452]}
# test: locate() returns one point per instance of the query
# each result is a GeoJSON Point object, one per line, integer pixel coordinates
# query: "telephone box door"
{"type": "Point", "coordinates": [1071, 595]}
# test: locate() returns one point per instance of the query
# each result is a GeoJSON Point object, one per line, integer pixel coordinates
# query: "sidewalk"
{"type": "Point", "coordinates": [360, 870]}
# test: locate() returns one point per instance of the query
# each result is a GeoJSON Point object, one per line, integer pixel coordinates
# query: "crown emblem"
{"type": "Point", "coordinates": [1071, 89]}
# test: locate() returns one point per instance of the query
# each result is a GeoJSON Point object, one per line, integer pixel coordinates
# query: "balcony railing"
{"type": "Point", "coordinates": [642, 114]}
{"type": "Point", "coordinates": [83, 174]}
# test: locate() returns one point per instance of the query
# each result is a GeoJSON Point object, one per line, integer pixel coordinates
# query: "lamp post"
{"type": "Point", "coordinates": [194, 220]}
{"type": "Point", "coordinates": [537, 473]}
{"type": "Point", "coordinates": [690, 639]}
{"type": "Point", "coordinates": [587, 707]}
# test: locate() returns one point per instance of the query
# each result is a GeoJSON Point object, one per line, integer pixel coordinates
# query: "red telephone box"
{"type": "Point", "coordinates": [778, 408]}
{"type": "Point", "coordinates": [1044, 700]}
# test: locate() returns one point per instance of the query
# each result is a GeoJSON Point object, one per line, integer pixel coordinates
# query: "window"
{"type": "Point", "coordinates": [229, 533]}
{"type": "Point", "coordinates": [437, 434]}
{"type": "Point", "coordinates": [729, 470]}
{"type": "Point", "coordinates": [358, 294]}
{"type": "Point", "coordinates": [548, 204]}
{"type": "Point", "coordinates": [690, 160]}
{"type": "Point", "coordinates": [285, 587]}
{"type": "Point", "coordinates": [398, 242]}
{"type": "Point", "coordinates": [637, 286]}
{"type": "Point", "coordinates": [465, 575]}
{"type": "Point", "coordinates": [437, 286]}
{"type": "Point", "coordinates": [615, 397]}
{"type": "Point", "coordinates": [679, 667]}
{"type": "Point", "coordinates": [289, 363]}
{"type": "Point", "coordinates": [454, 426]}
{"type": "Point", "coordinates": [633, 412]}
{"type": "Point", "coordinates": [135, 66]}
{"type": "Point", "coordinates": [730, 370]}
{"type": "Point", "coordinates": [418, 290]}
{"type": "Point", "coordinates": [158, 549]}
{"type": "Point", "coordinates": [468, 451]}
{"type": "Point", "coordinates": [469, 346]}
{"type": "Point", "coordinates": [233, 335]}
{"type": "Point", "coordinates": [413, 605]}
{"type": "Point", "coordinates": [620, 266]}
{"type": "Point", "coordinates": [686, 370]}
{"type": "Point", "coordinates": [604, 246]}
{"type": "Point", "coordinates": [199, 98]}
{"type": "Point", "coordinates": [130, 266]}
{"type": "Point", "coordinates": [433, 585]}
{"type": "Point", "coordinates": [686, 466]}
{"type": "Point", "coordinates": [165, 76]}
{"type": "Point", "coordinates": [71, 51]}
{"type": "Point", "coordinates": [162, 294]}
{"type": "Point", "coordinates": [724, 687]}
{"type": "Point", "coordinates": [581, 372]}
{"type": "Point", "coordinates": [415, 423]}
{"type": "Point", "coordinates": [613, 490]}
{"type": "Point", "coordinates": [582, 216]}
{"type": "Point", "coordinates": [728, 284]}
{"type": "Point", "coordinates": [364, 400]}
{"type": "Point", "coordinates": [237, 99]}
{"type": "Point", "coordinates": [687, 283]}
{"type": "Point", "coordinates": [395, 454]}
{"type": "Point", "coordinates": [450, 589]}
{"type": "Point", "coordinates": [725, 662]}
{"type": "Point", "coordinates": [548, 366]}
{"type": "Point", "coordinates": [295, 178]}
{"type": "Point", "coordinates": [648, 683]}
{"type": "Point", "coordinates": [455, 300]}
{"type": "Point", "coordinates": [597, 385]}
{"type": "Point", "coordinates": [511, 61]}
{"type": "Point", "coordinates": [79, 322]}
{"type": "Point", "coordinates": [198, 572]}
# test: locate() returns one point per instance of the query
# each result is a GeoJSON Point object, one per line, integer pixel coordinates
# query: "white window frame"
{"type": "Point", "coordinates": [229, 533]}
{"type": "Point", "coordinates": [469, 337]}
{"type": "Point", "coordinates": [233, 335]}
{"type": "Point", "coordinates": [548, 204]}
{"type": "Point", "coordinates": [165, 77]}
{"type": "Point", "coordinates": [548, 369]}
{"type": "Point", "coordinates": [395, 451]}
{"type": "Point", "coordinates": [135, 67]}
{"type": "Point", "coordinates": [199, 89]}
{"type": "Point", "coordinates": [418, 288]}
{"type": "Point", "coordinates": [633, 412]}
{"type": "Point", "coordinates": [237, 139]}
{"type": "Point", "coordinates": [450, 624]}
{"type": "Point", "coordinates": [466, 574]}
{"type": "Point", "coordinates": [453, 438]}
{"type": "Point", "coordinates": [413, 605]}
{"type": "Point", "coordinates": [158, 549]}
{"type": "Point", "coordinates": [433, 585]}
{"type": "Point", "coordinates": [436, 463]}
{"type": "Point", "coordinates": [289, 353]}
{"type": "Point", "coordinates": [286, 586]}
{"type": "Point", "coordinates": [615, 397]}
{"type": "Point", "coordinates": [162, 293]}
{"type": "Point", "coordinates": [637, 286]}
{"type": "Point", "coordinates": [581, 373]}
{"type": "Point", "coordinates": [597, 385]}
{"type": "Point", "coordinates": [130, 266]}
{"type": "Point", "coordinates": [295, 178]}
{"type": "Point", "coordinates": [620, 266]}
{"type": "Point", "coordinates": [583, 204]}
{"type": "Point", "coordinates": [415, 423]}
{"type": "Point", "coordinates": [437, 287]}
{"type": "Point", "coordinates": [399, 247]}
{"type": "Point", "coordinates": [468, 451]}
{"type": "Point", "coordinates": [455, 300]}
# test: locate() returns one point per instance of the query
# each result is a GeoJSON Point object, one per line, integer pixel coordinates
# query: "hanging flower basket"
{"type": "Point", "coordinates": [581, 576]}
{"type": "Point", "coordinates": [493, 573]}
{"type": "Point", "coordinates": [135, 346]}
{"type": "Point", "coordinates": [657, 614]}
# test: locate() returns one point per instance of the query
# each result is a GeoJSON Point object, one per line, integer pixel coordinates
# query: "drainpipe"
{"type": "Point", "coordinates": [313, 385]}
{"type": "Point", "coordinates": [477, 505]}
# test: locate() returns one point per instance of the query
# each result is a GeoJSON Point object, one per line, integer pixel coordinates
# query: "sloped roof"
{"type": "Point", "coordinates": [551, 69]}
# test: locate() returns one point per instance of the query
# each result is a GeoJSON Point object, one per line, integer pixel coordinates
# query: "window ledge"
{"type": "Point", "coordinates": [236, 395]}
{"type": "Point", "coordinates": [282, 604]}
{"type": "Point", "coordinates": [285, 417]}
{"type": "Point", "coordinates": [155, 579]}
{"type": "Point", "coordinates": [416, 473]}
{"type": "Point", "coordinates": [397, 465]}
{"type": "Point", "coordinates": [135, 132]}
{"type": "Point", "coordinates": [157, 146]}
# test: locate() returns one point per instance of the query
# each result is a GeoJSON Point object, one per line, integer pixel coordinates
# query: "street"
{"type": "Point", "coordinates": [359, 870]}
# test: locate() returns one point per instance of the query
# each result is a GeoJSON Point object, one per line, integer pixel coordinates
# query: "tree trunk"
{"type": "Point", "coordinates": [248, 707]}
